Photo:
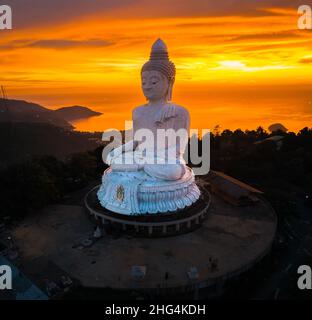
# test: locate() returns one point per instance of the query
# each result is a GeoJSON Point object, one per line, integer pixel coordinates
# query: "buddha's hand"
{"type": "Point", "coordinates": [129, 146]}
{"type": "Point", "coordinates": [113, 155]}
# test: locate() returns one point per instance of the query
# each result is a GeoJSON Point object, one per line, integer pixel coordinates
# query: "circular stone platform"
{"type": "Point", "coordinates": [151, 225]}
{"type": "Point", "coordinates": [235, 237]}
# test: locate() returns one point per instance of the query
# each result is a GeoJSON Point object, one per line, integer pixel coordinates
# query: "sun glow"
{"type": "Point", "coordinates": [96, 61]}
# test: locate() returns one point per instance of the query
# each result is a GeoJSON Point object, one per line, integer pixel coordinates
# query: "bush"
{"type": "Point", "coordinates": [31, 185]}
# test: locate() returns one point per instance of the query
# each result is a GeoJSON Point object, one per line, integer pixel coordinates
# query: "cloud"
{"type": "Point", "coordinates": [200, 8]}
{"type": "Point", "coordinates": [282, 35]}
{"type": "Point", "coordinates": [29, 13]}
{"type": "Point", "coordinates": [56, 44]}
{"type": "Point", "coordinates": [67, 44]}
{"type": "Point", "coordinates": [238, 65]}
{"type": "Point", "coordinates": [306, 60]}
{"type": "Point", "coordinates": [273, 47]}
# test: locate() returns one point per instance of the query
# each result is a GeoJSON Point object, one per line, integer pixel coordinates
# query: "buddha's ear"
{"type": "Point", "coordinates": [169, 94]}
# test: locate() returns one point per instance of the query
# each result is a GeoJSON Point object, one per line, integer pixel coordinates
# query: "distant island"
{"type": "Point", "coordinates": [27, 112]}
{"type": "Point", "coordinates": [76, 112]}
{"type": "Point", "coordinates": [28, 129]}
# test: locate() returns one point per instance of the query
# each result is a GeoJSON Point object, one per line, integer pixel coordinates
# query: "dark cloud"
{"type": "Point", "coordinates": [57, 43]}
{"type": "Point", "coordinates": [27, 13]}
{"type": "Point", "coordinates": [67, 44]}
{"type": "Point", "coordinates": [176, 8]}
{"type": "Point", "coordinates": [39, 12]}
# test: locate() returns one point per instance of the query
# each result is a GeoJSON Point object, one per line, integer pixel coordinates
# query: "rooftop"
{"type": "Point", "coordinates": [231, 238]}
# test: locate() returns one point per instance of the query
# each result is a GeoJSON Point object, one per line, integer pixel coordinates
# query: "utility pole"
{"type": "Point", "coordinates": [8, 134]}
{"type": "Point", "coordinates": [5, 98]}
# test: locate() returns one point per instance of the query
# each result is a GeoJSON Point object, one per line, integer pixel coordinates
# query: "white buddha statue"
{"type": "Point", "coordinates": [148, 174]}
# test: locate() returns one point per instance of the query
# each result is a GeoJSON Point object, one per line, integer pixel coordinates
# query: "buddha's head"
{"type": "Point", "coordinates": [158, 74]}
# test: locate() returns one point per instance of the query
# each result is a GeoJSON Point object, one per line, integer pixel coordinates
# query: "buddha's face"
{"type": "Point", "coordinates": [154, 85]}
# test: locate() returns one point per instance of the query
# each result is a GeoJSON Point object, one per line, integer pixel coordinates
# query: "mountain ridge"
{"type": "Point", "coordinates": [13, 110]}
{"type": "Point", "coordinates": [76, 112]}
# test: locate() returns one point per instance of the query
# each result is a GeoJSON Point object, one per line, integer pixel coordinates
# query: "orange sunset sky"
{"type": "Point", "coordinates": [240, 64]}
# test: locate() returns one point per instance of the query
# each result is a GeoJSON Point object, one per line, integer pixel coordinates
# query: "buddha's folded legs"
{"type": "Point", "coordinates": [165, 171]}
{"type": "Point", "coordinates": [130, 162]}
{"type": "Point", "coordinates": [125, 162]}
{"type": "Point", "coordinates": [125, 167]}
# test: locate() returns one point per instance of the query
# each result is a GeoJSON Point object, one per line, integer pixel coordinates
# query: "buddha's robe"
{"type": "Point", "coordinates": [159, 157]}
